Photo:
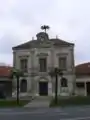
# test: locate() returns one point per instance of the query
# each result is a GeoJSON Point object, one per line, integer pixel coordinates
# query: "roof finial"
{"type": "Point", "coordinates": [45, 27]}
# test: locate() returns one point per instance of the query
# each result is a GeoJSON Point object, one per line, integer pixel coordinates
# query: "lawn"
{"type": "Point", "coordinates": [13, 103]}
{"type": "Point", "coordinates": [71, 101]}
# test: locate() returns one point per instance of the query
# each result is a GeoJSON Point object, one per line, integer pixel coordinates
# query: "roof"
{"type": "Point", "coordinates": [5, 71]}
{"type": "Point", "coordinates": [35, 43]}
{"type": "Point", "coordinates": [83, 69]}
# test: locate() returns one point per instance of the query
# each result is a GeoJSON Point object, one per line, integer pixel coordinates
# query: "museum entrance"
{"type": "Point", "coordinates": [43, 88]}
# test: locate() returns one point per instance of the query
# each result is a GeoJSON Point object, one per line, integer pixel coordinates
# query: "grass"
{"type": "Point", "coordinates": [13, 103]}
{"type": "Point", "coordinates": [71, 101]}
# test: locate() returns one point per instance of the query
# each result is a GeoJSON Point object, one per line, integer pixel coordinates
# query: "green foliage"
{"type": "Point", "coordinates": [13, 103]}
{"type": "Point", "coordinates": [71, 101]}
{"type": "Point", "coordinates": [16, 73]}
{"type": "Point", "coordinates": [55, 71]}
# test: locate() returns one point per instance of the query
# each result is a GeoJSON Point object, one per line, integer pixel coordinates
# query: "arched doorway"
{"type": "Point", "coordinates": [23, 85]}
{"type": "Point", "coordinates": [43, 88]}
{"type": "Point", "coordinates": [64, 82]}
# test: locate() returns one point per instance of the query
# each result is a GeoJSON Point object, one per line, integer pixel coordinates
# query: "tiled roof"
{"type": "Point", "coordinates": [83, 69]}
{"type": "Point", "coordinates": [35, 43]}
{"type": "Point", "coordinates": [5, 71]}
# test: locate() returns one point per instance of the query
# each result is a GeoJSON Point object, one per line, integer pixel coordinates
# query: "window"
{"type": "Point", "coordinates": [62, 63]}
{"type": "Point", "coordinates": [64, 82]}
{"type": "Point", "coordinates": [23, 65]}
{"type": "Point", "coordinates": [43, 64]}
{"type": "Point", "coordinates": [80, 85]}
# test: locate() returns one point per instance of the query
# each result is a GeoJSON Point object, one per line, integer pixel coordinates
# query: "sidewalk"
{"type": "Point", "coordinates": [39, 102]}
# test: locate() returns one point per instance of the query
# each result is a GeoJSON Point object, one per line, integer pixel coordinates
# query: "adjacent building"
{"type": "Point", "coordinates": [37, 57]}
{"type": "Point", "coordinates": [83, 79]}
{"type": "Point", "coordinates": [5, 81]}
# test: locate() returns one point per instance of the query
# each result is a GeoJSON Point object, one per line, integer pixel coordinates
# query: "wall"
{"type": "Point", "coordinates": [52, 61]}
{"type": "Point", "coordinates": [82, 91]}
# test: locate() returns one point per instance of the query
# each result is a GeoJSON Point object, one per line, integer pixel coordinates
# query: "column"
{"type": "Point", "coordinates": [37, 88]}
{"type": "Point", "coordinates": [49, 88]}
{"type": "Point", "coordinates": [32, 69]}
{"type": "Point", "coordinates": [53, 85]}
{"type": "Point", "coordinates": [52, 57]}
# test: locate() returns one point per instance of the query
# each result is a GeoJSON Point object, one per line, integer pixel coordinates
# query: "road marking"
{"type": "Point", "coordinates": [45, 110]}
{"type": "Point", "coordinates": [32, 113]}
{"type": "Point", "coordinates": [5, 110]}
{"type": "Point", "coordinates": [78, 118]}
{"type": "Point", "coordinates": [82, 109]}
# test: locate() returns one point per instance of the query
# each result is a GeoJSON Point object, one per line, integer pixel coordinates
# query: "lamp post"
{"type": "Point", "coordinates": [54, 73]}
{"type": "Point", "coordinates": [17, 74]}
{"type": "Point", "coordinates": [17, 89]}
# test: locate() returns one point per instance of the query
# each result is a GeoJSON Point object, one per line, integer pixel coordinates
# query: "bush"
{"type": "Point", "coordinates": [12, 103]}
{"type": "Point", "coordinates": [79, 100]}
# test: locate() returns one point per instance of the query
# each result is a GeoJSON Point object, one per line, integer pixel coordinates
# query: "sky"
{"type": "Point", "coordinates": [20, 20]}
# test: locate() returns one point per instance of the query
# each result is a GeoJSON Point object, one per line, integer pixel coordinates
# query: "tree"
{"type": "Point", "coordinates": [15, 73]}
{"type": "Point", "coordinates": [45, 27]}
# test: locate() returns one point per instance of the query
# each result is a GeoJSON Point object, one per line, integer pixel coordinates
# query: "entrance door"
{"type": "Point", "coordinates": [88, 88]}
{"type": "Point", "coordinates": [43, 88]}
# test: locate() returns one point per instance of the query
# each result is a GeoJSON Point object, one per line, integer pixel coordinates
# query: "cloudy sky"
{"type": "Point", "coordinates": [20, 20]}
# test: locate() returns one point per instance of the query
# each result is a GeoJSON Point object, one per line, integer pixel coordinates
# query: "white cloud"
{"type": "Point", "coordinates": [20, 20]}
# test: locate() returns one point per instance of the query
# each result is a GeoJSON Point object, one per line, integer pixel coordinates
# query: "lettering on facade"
{"type": "Point", "coordinates": [42, 54]}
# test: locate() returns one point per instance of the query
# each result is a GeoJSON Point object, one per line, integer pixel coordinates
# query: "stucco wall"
{"type": "Point", "coordinates": [62, 51]}
{"type": "Point", "coordinates": [82, 91]}
{"type": "Point", "coordinates": [52, 61]}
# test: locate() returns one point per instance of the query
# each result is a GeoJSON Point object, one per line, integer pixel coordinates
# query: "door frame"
{"type": "Point", "coordinates": [46, 92]}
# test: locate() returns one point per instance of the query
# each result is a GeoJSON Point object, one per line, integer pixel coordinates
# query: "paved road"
{"type": "Point", "coordinates": [71, 113]}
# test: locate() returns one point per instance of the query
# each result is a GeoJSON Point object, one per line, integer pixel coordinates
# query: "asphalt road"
{"type": "Point", "coordinates": [70, 113]}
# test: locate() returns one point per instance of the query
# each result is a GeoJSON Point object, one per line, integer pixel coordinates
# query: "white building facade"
{"type": "Point", "coordinates": [37, 58]}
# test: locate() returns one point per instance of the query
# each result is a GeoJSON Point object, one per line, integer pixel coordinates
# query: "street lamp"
{"type": "Point", "coordinates": [17, 74]}
{"type": "Point", "coordinates": [54, 73]}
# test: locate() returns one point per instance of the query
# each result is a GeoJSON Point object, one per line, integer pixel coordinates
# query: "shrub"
{"type": "Point", "coordinates": [77, 100]}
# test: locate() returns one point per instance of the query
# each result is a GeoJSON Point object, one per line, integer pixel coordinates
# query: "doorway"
{"type": "Point", "coordinates": [23, 86]}
{"type": "Point", "coordinates": [88, 88]}
{"type": "Point", "coordinates": [43, 88]}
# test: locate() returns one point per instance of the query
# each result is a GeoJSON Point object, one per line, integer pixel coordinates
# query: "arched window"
{"type": "Point", "coordinates": [23, 85]}
{"type": "Point", "coordinates": [64, 82]}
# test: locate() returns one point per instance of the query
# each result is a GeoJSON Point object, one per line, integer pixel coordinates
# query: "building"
{"type": "Point", "coordinates": [37, 57]}
{"type": "Point", "coordinates": [83, 79]}
{"type": "Point", "coordinates": [5, 81]}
